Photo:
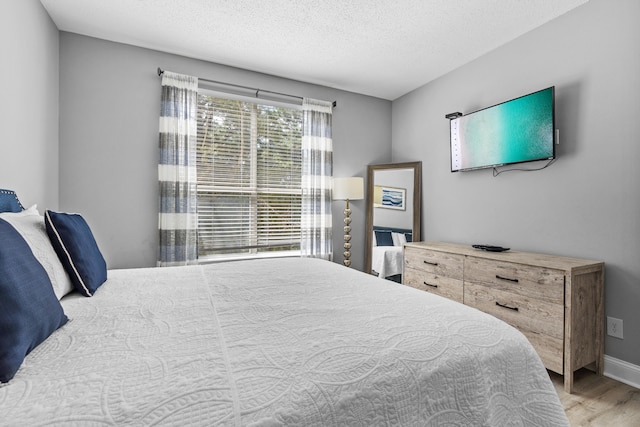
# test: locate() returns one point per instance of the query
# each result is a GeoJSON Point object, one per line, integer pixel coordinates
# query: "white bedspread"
{"type": "Point", "coordinates": [296, 342]}
{"type": "Point", "coordinates": [387, 260]}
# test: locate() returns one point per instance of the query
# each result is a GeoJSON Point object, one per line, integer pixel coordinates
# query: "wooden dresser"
{"type": "Point", "coordinates": [555, 301]}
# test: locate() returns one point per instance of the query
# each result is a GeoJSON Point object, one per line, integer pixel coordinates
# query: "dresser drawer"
{"type": "Point", "coordinates": [542, 322]}
{"type": "Point", "coordinates": [538, 283]}
{"type": "Point", "coordinates": [430, 282]}
{"type": "Point", "coordinates": [441, 264]}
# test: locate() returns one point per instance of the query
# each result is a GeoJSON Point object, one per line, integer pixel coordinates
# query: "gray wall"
{"type": "Point", "coordinates": [29, 108]}
{"type": "Point", "coordinates": [586, 204]}
{"type": "Point", "coordinates": [109, 107]}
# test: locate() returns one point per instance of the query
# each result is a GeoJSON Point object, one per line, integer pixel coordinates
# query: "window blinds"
{"type": "Point", "coordinates": [249, 169]}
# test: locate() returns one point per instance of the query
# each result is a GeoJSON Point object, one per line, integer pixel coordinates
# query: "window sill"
{"type": "Point", "coordinates": [241, 257]}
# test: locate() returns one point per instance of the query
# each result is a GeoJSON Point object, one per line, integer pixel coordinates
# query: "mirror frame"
{"type": "Point", "coordinates": [417, 202]}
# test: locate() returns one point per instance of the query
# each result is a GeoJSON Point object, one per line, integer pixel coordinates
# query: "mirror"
{"type": "Point", "coordinates": [393, 215]}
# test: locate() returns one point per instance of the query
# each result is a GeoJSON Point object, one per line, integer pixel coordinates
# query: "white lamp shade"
{"type": "Point", "coordinates": [351, 188]}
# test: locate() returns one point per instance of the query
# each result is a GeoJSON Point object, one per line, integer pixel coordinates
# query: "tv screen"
{"type": "Point", "coordinates": [515, 131]}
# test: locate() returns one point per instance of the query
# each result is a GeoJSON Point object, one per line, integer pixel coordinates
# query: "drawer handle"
{"type": "Point", "coordinates": [429, 284]}
{"type": "Point", "coordinates": [430, 263]}
{"type": "Point", "coordinates": [506, 278]}
{"type": "Point", "coordinates": [507, 306]}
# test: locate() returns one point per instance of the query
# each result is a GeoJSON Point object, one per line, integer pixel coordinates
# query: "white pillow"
{"type": "Point", "coordinates": [399, 239]}
{"type": "Point", "coordinates": [31, 227]}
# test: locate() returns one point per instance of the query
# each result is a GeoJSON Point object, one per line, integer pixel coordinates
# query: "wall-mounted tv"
{"type": "Point", "coordinates": [515, 131]}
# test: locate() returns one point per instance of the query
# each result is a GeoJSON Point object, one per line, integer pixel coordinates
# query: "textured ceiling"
{"type": "Point", "coordinates": [380, 48]}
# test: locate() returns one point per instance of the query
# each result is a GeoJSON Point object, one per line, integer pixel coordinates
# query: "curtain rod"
{"type": "Point", "coordinates": [257, 90]}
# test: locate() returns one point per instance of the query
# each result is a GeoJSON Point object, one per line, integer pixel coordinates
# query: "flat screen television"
{"type": "Point", "coordinates": [516, 131]}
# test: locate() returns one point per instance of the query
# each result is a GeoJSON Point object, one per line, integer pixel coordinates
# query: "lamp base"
{"type": "Point", "coordinates": [347, 236]}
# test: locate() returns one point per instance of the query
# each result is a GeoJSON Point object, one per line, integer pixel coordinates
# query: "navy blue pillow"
{"type": "Point", "coordinates": [29, 310]}
{"type": "Point", "coordinates": [77, 249]}
{"type": "Point", "coordinates": [384, 238]}
{"type": "Point", "coordinates": [9, 201]}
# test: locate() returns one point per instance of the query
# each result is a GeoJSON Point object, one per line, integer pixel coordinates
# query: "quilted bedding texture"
{"type": "Point", "coordinates": [285, 342]}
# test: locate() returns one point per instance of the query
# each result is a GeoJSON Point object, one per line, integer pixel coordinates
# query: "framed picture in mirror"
{"type": "Point", "coordinates": [389, 197]}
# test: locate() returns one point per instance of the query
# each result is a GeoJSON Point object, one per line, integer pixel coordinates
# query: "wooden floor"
{"type": "Point", "coordinates": [599, 401]}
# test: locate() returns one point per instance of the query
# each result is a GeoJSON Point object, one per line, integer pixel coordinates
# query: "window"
{"type": "Point", "coordinates": [249, 169]}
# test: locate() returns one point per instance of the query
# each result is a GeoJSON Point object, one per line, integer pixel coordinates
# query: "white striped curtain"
{"type": "Point", "coordinates": [317, 169]}
{"type": "Point", "coordinates": [177, 219]}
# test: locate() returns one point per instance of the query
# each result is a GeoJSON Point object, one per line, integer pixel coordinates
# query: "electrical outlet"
{"type": "Point", "coordinates": [614, 327]}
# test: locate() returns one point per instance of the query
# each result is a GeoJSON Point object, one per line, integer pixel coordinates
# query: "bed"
{"type": "Point", "coordinates": [386, 261]}
{"type": "Point", "coordinates": [277, 342]}
{"type": "Point", "coordinates": [386, 253]}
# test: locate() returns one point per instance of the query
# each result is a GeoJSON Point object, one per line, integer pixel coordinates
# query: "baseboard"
{"type": "Point", "coordinates": [622, 371]}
